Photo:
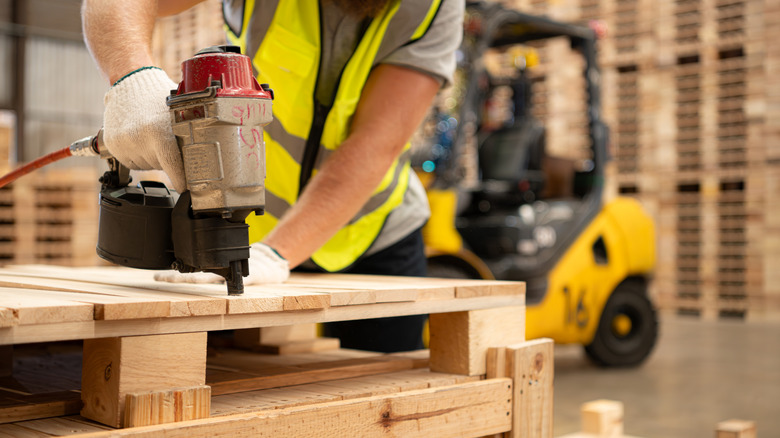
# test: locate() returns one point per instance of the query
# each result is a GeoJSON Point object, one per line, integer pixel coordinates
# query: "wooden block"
{"type": "Point", "coordinates": [530, 364]}
{"type": "Point", "coordinates": [180, 404]}
{"type": "Point", "coordinates": [114, 367]}
{"type": "Point", "coordinates": [460, 340]}
{"type": "Point", "coordinates": [420, 358]}
{"type": "Point", "coordinates": [295, 347]}
{"type": "Point", "coordinates": [736, 429]}
{"type": "Point", "coordinates": [274, 335]}
{"type": "Point", "coordinates": [604, 418]}
{"type": "Point", "coordinates": [469, 409]}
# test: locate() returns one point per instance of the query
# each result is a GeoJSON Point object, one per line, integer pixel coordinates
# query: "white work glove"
{"type": "Point", "coordinates": [137, 125]}
{"type": "Point", "coordinates": [266, 266]}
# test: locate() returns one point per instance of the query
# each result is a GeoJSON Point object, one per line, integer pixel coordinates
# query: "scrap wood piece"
{"type": "Point", "coordinates": [21, 407]}
{"type": "Point", "coordinates": [602, 417]}
{"type": "Point", "coordinates": [736, 429]}
{"type": "Point", "coordinates": [470, 409]}
{"type": "Point", "coordinates": [246, 380]}
{"type": "Point", "coordinates": [39, 307]}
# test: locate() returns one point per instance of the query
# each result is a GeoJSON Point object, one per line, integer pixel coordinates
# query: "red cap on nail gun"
{"type": "Point", "coordinates": [226, 65]}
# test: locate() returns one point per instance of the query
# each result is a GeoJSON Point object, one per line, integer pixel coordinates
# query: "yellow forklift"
{"type": "Point", "coordinates": [526, 214]}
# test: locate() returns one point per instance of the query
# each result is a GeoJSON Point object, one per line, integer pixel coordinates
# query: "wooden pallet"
{"type": "Point", "coordinates": [481, 377]}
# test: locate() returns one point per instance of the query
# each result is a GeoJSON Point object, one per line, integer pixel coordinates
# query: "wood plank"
{"type": "Point", "coordinates": [16, 431]}
{"type": "Point", "coordinates": [260, 298]}
{"type": "Point", "coordinates": [62, 426]}
{"type": "Point", "coordinates": [387, 288]}
{"type": "Point", "coordinates": [305, 373]}
{"type": "Point", "coordinates": [106, 307]}
{"type": "Point", "coordinates": [460, 340]}
{"type": "Point", "coordinates": [190, 304]}
{"type": "Point", "coordinates": [158, 407]}
{"type": "Point", "coordinates": [30, 407]}
{"type": "Point", "coordinates": [339, 296]}
{"type": "Point", "coordinates": [468, 410]}
{"type": "Point", "coordinates": [113, 367]}
{"type": "Point", "coordinates": [530, 364]}
{"type": "Point", "coordinates": [31, 308]}
{"type": "Point", "coordinates": [228, 404]}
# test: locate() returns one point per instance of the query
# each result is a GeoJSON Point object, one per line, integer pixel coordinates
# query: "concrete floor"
{"type": "Point", "coordinates": [700, 373]}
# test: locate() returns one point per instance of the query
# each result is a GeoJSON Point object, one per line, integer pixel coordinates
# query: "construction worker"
{"type": "Point", "coordinates": [353, 79]}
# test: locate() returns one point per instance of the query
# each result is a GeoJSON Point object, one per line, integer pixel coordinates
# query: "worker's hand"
{"type": "Point", "coordinates": [137, 124]}
{"type": "Point", "coordinates": [266, 266]}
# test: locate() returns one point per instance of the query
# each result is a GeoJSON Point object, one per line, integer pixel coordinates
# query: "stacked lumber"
{"type": "Point", "coordinates": [145, 365]}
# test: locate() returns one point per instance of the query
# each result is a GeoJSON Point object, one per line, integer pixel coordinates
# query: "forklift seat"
{"type": "Point", "coordinates": [510, 161]}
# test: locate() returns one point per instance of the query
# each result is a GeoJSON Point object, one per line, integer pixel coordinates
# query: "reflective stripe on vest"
{"type": "Point", "coordinates": [288, 59]}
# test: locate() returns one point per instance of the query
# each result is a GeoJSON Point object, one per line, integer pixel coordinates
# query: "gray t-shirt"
{"type": "Point", "coordinates": [432, 54]}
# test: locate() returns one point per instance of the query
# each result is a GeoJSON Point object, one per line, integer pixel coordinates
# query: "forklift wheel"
{"type": "Point", "coordinates": [627, 330]}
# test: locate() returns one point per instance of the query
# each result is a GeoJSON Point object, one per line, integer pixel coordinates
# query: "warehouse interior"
{"type": "Point", "coordinates": [690, 93]}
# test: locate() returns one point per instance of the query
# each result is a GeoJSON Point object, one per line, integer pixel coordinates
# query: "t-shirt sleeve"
{"type": "Point", "coordinates": [435, 52]}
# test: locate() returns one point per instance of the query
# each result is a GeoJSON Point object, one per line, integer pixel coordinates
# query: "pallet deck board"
{"type": "Point", "coordinates": [129, 302]}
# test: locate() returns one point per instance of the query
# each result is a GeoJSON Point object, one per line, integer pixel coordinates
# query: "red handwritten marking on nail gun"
{"type": "Point", "coordinates": [242, 111]}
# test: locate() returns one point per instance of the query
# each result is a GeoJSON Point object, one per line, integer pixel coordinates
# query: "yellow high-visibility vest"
{"type": "Point", "coordinates": [304, 133]}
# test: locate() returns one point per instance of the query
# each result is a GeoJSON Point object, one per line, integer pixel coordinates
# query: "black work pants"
{"type": "Point", "coordinates": [387, 335]}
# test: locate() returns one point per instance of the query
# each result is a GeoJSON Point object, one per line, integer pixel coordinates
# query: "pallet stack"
{"type": "Point", "coordinates": [180, 36]}
{"type": "Point", "coordinates": [688, 96]}
{"type": "Point", "coordinates": [50, 218]}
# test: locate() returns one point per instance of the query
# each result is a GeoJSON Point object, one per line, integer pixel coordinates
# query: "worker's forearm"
{"type": "Point", "coordinates": [119, 34]}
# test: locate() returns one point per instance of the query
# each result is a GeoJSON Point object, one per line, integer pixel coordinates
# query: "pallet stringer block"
{"type": "Point", "coordinates": [530, 365]}
{"type": "Point", "coordinates": [292, 339]}
{"type": "Point", "coordinates": [460, 340]}
{"type": "Point", "coordinates": [115, 367]}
